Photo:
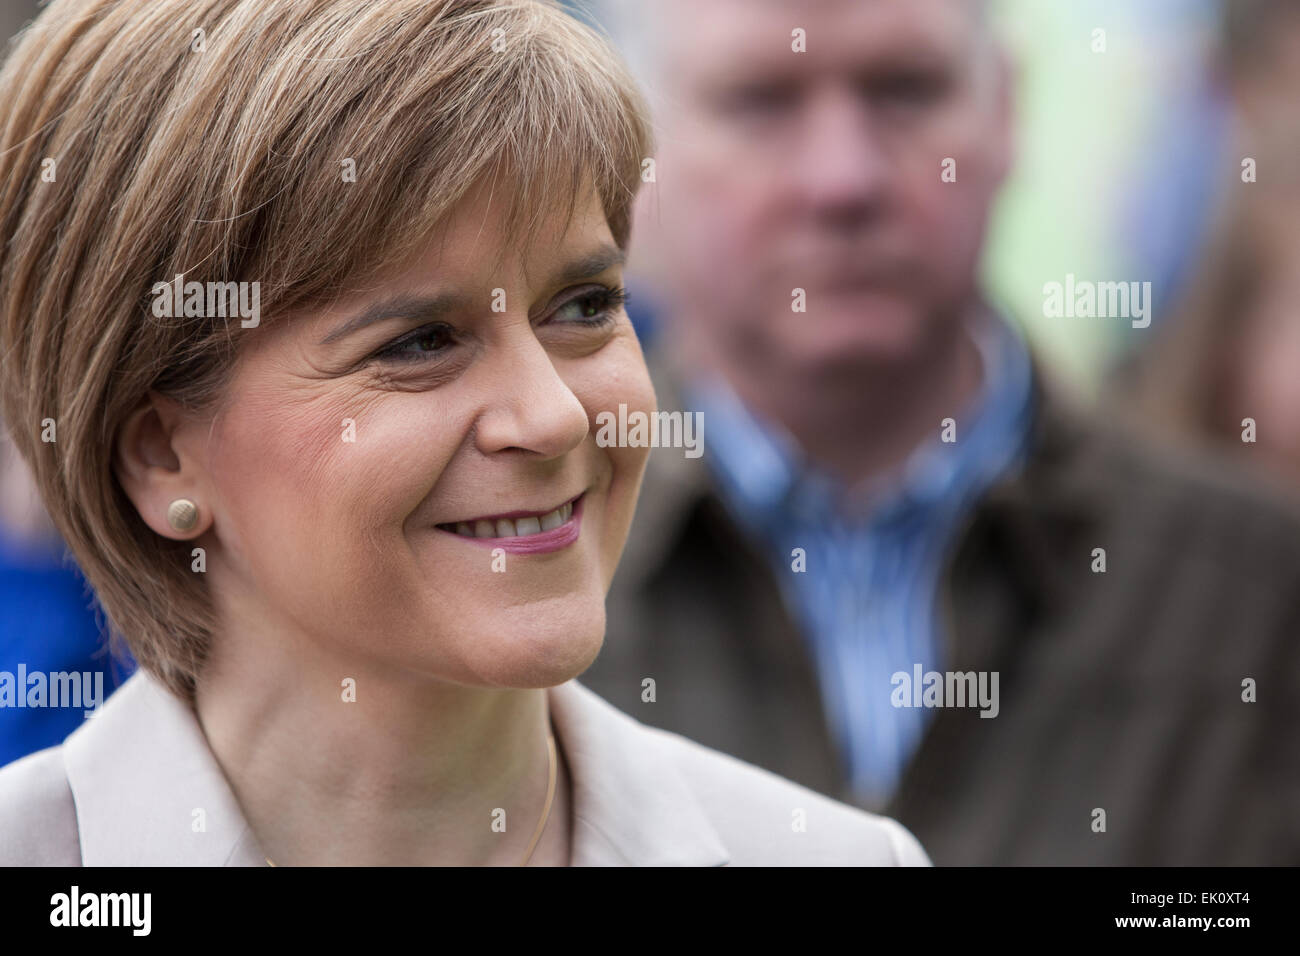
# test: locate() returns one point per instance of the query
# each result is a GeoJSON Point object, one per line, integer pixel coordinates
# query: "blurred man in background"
{"type": "Point", "coordinates": [890, 489]}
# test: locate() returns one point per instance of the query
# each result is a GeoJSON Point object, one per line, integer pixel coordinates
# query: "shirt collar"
{"type": "Point", "coordinates": [764, 476]}
{"type": "Point", "coordinates": [756, 462]}
{"type": "Point", "coordinates": [142, 777]}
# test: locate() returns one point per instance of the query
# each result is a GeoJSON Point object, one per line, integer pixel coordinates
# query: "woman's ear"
{"type": "Point", "coordinates": [155, 472]}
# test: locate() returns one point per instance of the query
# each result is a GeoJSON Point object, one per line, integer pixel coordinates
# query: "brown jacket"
{"type": "Point", "coordinates": [1120, 690]}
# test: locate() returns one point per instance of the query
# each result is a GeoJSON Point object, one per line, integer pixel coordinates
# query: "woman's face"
{"type": "Point", "coordinates": [384, 474]}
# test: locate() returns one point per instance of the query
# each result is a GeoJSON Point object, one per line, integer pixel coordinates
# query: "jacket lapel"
{"type": "Point", "coordinates": [147, 789]}
{"type": "Point", "coordinates": [631, 806]}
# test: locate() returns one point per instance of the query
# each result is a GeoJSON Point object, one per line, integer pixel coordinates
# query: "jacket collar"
{"type": "Point", "coordinates": [1066, 486]}
{"type": "Point", "coordinates": [149, 791]}
{"type": "Point", "coordinates": [631, 805]}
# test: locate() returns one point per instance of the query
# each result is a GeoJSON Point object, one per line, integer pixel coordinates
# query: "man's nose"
{"type": "Point", "coordinates": [529, 408]}
{"type": "Point", "coordinates": [844, 166]}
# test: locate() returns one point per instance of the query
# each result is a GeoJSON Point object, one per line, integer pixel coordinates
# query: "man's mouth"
{"type": "Point", "coordinates": [515, 524]}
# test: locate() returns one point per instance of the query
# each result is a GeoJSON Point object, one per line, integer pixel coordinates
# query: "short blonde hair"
{"type": "Point", "coordinates": [209, 138]}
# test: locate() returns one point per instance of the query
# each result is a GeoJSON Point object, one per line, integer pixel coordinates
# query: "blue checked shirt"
{"type": "Point", "coordinates": [867, 597]}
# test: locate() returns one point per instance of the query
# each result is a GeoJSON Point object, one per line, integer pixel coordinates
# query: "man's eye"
{"type": "Point", "coordinates": [758, 101]}
{"type": "Point", "coordinates": [423, 342]}
{"type": "Point", "coordinates": [595, 306]}
{"type": "Point", "coordinates": [908, 90]}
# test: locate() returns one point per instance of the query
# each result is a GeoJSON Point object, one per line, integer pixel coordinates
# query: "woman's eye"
{"type": "Point", "coordinates": [596, 306]}
{"type": "Point", "coordinates": [421, 343]}
{"type": "Point", "coordinates": [593, 307]}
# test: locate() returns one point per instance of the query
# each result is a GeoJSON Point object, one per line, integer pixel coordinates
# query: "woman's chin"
{"type": "Point", "coordinates": [544, 651]}
{"type": "Point", "coordinates": [561, 664]}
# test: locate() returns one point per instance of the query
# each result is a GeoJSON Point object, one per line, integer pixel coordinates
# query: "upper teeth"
{"type": "Point", "coordinates": [516, 527]}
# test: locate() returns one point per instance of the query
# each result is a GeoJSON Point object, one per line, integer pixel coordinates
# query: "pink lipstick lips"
{"type": "Point", "coordinates": [523, 532]}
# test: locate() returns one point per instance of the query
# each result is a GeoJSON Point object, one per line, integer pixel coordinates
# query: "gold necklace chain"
{"type": "Point", "coordinates": [546, 810]}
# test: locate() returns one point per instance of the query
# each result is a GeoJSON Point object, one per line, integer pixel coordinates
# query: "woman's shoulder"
{"type": "Point", "coordinates": [38, 820]}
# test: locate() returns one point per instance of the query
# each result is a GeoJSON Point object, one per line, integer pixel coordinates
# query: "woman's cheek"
{"type": "Point", "coordinates": [622, 378]}
{"type": "Point", "coordinates": [338, 464]}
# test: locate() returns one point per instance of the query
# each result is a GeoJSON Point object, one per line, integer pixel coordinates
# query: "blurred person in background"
{"type": "Point", "coordinates": [781, 593]}
{"type": "Point", "coordinates": [1232, 350]}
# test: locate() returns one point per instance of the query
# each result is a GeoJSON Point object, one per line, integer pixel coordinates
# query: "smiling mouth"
{"type": "Point", "coordinates": [517, 524]}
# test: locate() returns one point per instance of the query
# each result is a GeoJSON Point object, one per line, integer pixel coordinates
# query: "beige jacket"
{"type": "Point", "coordinates": [123, 790]}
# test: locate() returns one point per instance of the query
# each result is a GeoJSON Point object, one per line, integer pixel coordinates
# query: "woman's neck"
{"type": "Point", "coordinates": [412, 772]}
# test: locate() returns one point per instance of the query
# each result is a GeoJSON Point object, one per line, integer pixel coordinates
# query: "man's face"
{"type": "Point", "coordinates": [824, 171]}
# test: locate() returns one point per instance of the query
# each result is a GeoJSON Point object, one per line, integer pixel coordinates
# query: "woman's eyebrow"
{"type": "Point", "coordinates": [591, 264]}
{"type": "Point", "coordinates": [429, 308]}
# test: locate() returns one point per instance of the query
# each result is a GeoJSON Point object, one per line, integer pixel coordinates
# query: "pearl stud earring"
{"type": "Point", "coordinates": [182, 514]}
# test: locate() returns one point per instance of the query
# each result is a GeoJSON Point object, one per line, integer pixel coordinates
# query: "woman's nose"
{"type": "Point", "coordinates": [530, 407]}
